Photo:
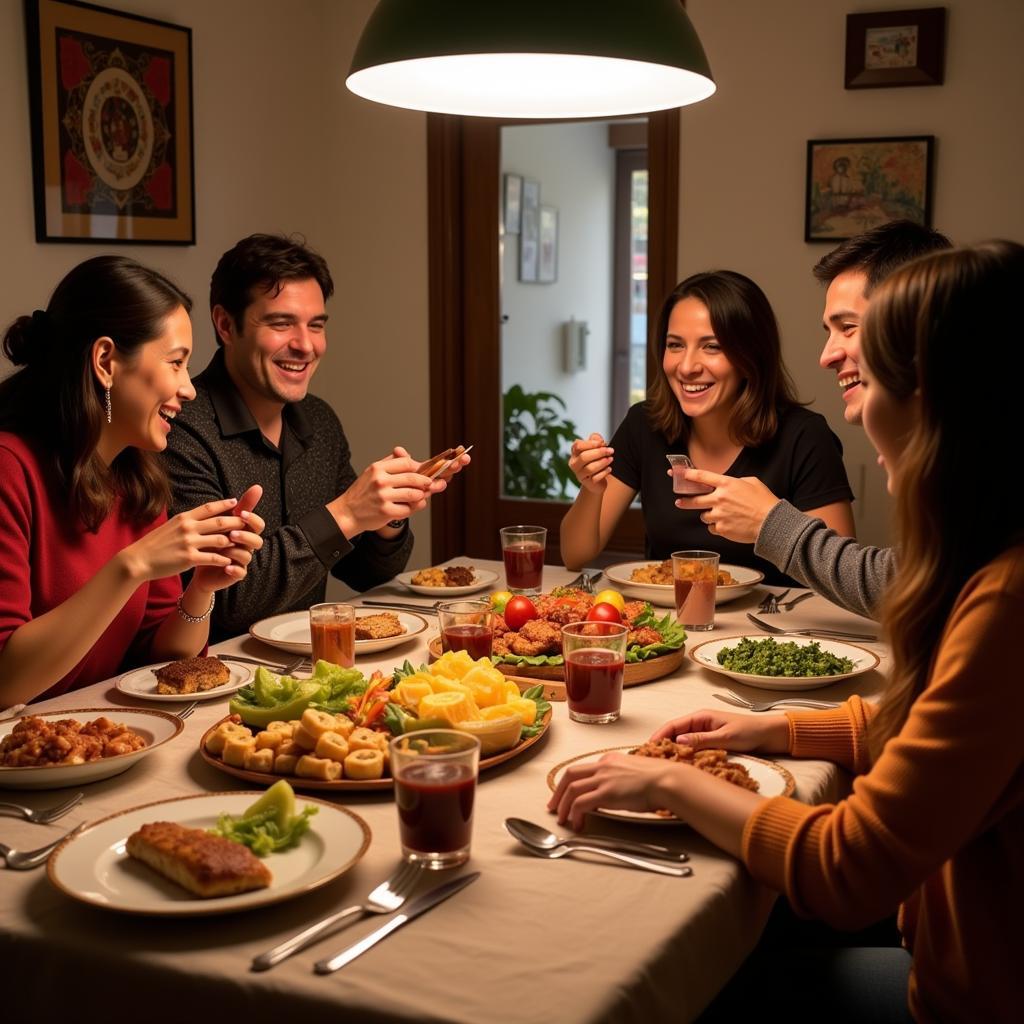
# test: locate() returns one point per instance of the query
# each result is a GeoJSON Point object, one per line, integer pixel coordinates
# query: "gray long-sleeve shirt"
{"type": "Point", "coordinates": [216, 450]}
{"type": "Point", "coordinates": [852, 575]}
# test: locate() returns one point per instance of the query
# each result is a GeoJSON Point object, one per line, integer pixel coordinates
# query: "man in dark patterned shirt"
{"type": "Point", "coordinates": [253, 421]}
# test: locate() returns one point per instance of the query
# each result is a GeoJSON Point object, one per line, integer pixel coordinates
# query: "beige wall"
{"type": "Point", "coordinates": [779, 68]}
{"type": "Point", "coordinates": [281, 146]}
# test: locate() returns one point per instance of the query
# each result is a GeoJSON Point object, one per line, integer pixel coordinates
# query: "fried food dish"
{"type": "Point", "coordinates": [378, 627]}
{"type": "Point", "coordinates": [714, 762]}
{"type": "Point", "coordinates": [660, 573]}
{"type": "Point", "coordinates": [205, 864]}
{"type": "Point", "coordinates": [445, 576]}
{"type": "Point", "coordinates": [190, 675]}
{"type": "Point", "coordinates": [36, 742]}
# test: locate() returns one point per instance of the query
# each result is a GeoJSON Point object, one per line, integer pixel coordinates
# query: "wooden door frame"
{"type": "Point", "coordinates": [463, 186]}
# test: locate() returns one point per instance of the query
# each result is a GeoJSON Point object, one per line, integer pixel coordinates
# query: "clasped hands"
{"type": "Point", "coordinates": [391, 488]}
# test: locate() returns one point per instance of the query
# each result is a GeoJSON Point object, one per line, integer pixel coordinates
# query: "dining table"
{"type": "Point", "coordinates": [577, 940]}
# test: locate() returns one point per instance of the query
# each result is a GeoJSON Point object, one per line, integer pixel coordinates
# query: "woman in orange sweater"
{"type": "Point", "coordinates": [935, 823]}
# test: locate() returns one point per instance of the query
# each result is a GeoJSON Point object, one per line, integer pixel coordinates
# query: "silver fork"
{"type": "Point", "coordinates": [585, 581]}
{"type": "Point", "coordinates": [793, 602]}
{"type": "Point", "coordinates": [186, 710]}
{"type": "Point", "coordinates": [45, 816]}
{"type": "Point", "coordinates": [25, 860]}
{"type": "Point", "coordinates": [766, 705]}
{"type": "Point", "coordinates": [825, 634]}
{"type": "Point", "coordinates": [388, 896]}
{"type": "Point", "coordinates": [770, 604]}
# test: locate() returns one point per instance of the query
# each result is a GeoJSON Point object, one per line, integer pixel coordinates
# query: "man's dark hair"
{"type": "Point", "coordinates": [265, 262]}
{"type": "Point", "coordinates": [878, 252]}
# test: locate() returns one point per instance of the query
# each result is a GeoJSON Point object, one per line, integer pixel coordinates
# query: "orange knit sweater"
{"type": "Point", "coordinates": [936, 825]}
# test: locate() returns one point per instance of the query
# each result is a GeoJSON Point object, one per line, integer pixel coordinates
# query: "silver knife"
{"type": "Point", "coordinates": [430, 609]}
{"type": "Point", "coordinates": [420, 905]}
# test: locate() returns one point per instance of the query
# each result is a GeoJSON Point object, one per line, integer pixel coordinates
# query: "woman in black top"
{"type": "Point", "coordinates": [724, 398]}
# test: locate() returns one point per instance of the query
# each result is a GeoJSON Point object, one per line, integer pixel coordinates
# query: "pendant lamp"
{"type": "Point", "coordinates": [531, 58]}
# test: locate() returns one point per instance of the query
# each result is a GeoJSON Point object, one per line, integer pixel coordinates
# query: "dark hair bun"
{"type": "Point", "coordinates": [24, 340]}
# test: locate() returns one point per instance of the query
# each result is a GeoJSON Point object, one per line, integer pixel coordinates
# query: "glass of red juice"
{"type": "Point", "coordinates": [435, 773]}
{"type": "Point", "coordinates": [522, 548]}
{"type": "Point", "coordinates": [595, 660]}
{"type": "Point", "coordinates": [467, 626]}
{"type": "Point", "coordinates": [332, 628]}
{"type": "Point", "coordinates": [695, 574]}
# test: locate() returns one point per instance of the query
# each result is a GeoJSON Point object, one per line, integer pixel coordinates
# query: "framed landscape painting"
{"type": "Point", "coordinates": [111, 115]}
{"type": "Point", "coordinates": [854, 185]}
{"type": "Point", "coordinates": [885, 49]}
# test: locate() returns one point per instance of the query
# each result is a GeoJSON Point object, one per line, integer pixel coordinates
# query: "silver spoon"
{"type": "Point", "coordinates": [553, 853]}
{"type": "Point", "coordinates": [537, 835]}
{"type": "Point", "coordinates": [24, 860]}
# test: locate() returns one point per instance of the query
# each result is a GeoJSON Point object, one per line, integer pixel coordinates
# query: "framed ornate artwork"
{"type": "Point", "coordinates": [854, 185]}
{"type": "Point", "coordinates": [893, 48]}
{"type": "Point", "coordinates": [529, 235]}
{"type": "Point", "coordinates": [111, 112]}
{"type": "Point", "coordinates": [513, 205]}
{"type": "Point", "coordinates": [547, 255]}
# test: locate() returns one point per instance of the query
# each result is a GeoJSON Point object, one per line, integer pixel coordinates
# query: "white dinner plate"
{"type": "Point", "coordinates": [290, 632]}
{"type": "Point", "coordinates": [706, 655]}
{"type": "Point", "coordinates": [482, 578]}
{"type": "Point", "coordinates": [93, 866]}
{"type": "Point", "coordinates": [771, 777]}
{"type": "Point", "coordinates": [663, 594]}
{"type": "Point", "coordinates": [141, 683]}
{"type": "Point", "coordinates": [155, 727]}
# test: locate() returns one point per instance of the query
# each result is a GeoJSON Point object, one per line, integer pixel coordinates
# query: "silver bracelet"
{"type": "Point", "coordinates": [195, 620]}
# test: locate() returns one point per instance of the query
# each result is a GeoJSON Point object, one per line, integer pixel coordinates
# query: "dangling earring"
{"type": "Point", "coordinates": [107, 403]}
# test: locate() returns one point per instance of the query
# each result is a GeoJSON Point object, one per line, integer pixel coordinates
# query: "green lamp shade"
{"type": "Point", "coordinates": [531, 58]}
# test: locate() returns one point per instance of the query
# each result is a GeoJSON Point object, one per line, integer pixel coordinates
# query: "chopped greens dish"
{"type": "Point", "coordinates": [768, 657]}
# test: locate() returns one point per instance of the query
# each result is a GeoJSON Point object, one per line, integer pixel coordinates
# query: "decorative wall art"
{"type": "Point", "coordinates": [893, 48]}
{"type": "Point", "coordinates": [854, 185]}
{"type": "Point", "coordinates": [513, 198]}
{"type": "Point", "coordinates": [529, 236]}
{"type": "Point", "coordinates": [111, 106]}
{"type": "Point", "coordinates": [547, 258]}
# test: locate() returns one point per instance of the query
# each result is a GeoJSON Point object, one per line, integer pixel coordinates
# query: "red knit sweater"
{"type": "Point", "coordinates": [45, 559]}
{"type": "Point", "coordinates": [936, 824]}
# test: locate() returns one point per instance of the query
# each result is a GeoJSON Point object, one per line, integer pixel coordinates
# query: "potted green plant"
{"type": "Point", "coordinates": [537, 441]}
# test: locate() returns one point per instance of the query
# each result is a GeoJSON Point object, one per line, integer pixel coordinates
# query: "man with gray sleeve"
{"type": "Point", "coordinates": [742, 509]}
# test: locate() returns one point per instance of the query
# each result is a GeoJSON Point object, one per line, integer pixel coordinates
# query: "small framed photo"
{"type": "Point", "coordinates": [893, 48]}
{"type": "Point", "coordinates": [529, 235]}
{"type": "Point", "coordinates": [111, 114]}
{"type": "Point", "coordinates": [854, 185]}
{"type": "Point", "coordinates": [547, 258]}
{"type": "Point", "coordinates": [513, 203]}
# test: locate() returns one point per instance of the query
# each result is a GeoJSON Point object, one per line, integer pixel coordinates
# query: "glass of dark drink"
{"type": "Point", "coordinates": [695, 574]}
{"type": "Point", "coordinates": [522, 548]}
{"type": "Point", "coordinates": [595, 660]}
{"type": "Point", "coordinates": [680, 485]}
{"type": "Point", "coordinates": [435, 774]}
{"type": "Point", "coordinates": [467, 626]}
{"type": "Point", "coordinates": [332, 629]}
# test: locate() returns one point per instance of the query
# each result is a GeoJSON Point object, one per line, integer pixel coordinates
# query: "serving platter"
{"type": "Point", "coordinates": [706, 656]}
{"type": "Point", "coordinates": [141, 683]}
{"type": "Point", "coordinates": [156, 727]}
{"type": "Point", "coordinates": [636, 672]}
{"type": "Point", "coordinates": [663, 594]}
{"type": "Point", "coordinates": [772, 778]}
{"type": "Point", "coordinates": [482, 578]}
{"type": "Point", "coordinates": [352, 785]}
{"type": "Point", "coordinates": [93, 866]}
{"type": "Point", "coordinates": [290, 632]}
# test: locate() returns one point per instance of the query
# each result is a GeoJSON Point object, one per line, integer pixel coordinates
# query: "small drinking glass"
{"type": "Point", "coordinates": [435, 772]}
{"type": "Point", "coordinates": [595, 660]}
{"type": "Point", "coordinates": [680, 485]}
{"type": "Point", "coordinates": [467, 626]}
{"type": "Point", "coordinates": [332, 627]}
{"type": "Point", "coordinates": [522, 548]}
{"type": "Point", "coordinates": [695, 574]}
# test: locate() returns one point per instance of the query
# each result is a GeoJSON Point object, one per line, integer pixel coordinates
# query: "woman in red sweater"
{"type": "Point", "coordinates": [89, 562]}
{"type": "Point", "coordinates": [935, 823]}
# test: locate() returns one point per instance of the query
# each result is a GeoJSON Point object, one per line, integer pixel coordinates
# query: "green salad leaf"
{"type": "Point", "coordinates": [271, 697]}
{"type": "Point", "coordinates": [262, 833]}
{"type": "Point", "coordinates": [672, 636]}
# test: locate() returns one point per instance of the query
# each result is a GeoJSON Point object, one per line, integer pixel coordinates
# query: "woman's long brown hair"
{"type": "Point", "coordinates": [930, 326]}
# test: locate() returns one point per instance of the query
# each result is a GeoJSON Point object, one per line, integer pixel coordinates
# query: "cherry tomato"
{"type": "Point", "coordinates": [499, 599]}
{"type": "Point", "coordinates": [519, 611]}
{"type": "Point", "coordinates": [611, 597]}
{"type": "Point", "coordinates": [604, 612]}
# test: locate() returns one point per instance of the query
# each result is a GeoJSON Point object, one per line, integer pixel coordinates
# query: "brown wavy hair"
{"type": "Point", "coordinates": [745, 326]}
{"type": "Point", "coordinates": [56, 400]}
{"type": "Point", "coordinates": [918, 328]}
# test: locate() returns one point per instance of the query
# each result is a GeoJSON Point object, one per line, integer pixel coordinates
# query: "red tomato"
{"type": "Point", "coordinates": [604, 612]}
{"type": "Point", "coordinates": [518, 612]}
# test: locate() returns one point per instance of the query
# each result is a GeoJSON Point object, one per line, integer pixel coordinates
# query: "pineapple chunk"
{"type": "Point", "coordinates": [441, 684]}
{"type": "Point", "coordinates": [452, 665]}
{"type": "Point", "coordinates": [511, 691]}
{"type": "Point", "coordinates": [497, 711]}
{"type": "Point", "coordinates": [525, 708]}
{"type": "Point", "coordinates": [452, 707]}
{"type": "Point", "coordinates": [487, 685]}
{"type": "Point", "coordinates": [412, 690]}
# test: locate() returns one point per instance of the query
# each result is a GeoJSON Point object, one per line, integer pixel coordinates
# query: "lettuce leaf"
{"type": "Point", "coordinates": [261, 833]}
